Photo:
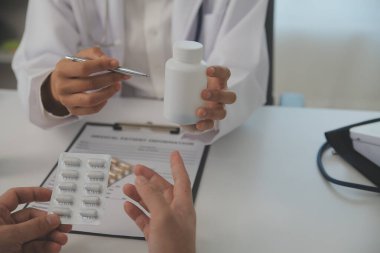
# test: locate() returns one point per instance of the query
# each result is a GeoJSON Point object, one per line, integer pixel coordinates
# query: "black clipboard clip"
{"type": "Point", "coordinates": [149, 125]}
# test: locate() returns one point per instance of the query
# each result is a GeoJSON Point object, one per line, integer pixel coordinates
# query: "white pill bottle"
{"type": "Point", "coordinates": [185, 78]}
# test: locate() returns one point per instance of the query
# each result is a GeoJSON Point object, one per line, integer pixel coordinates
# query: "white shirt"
{"type": "Point", "coordinates": [148, 44]}
{"type": "Point", "coordinates": [232, 34]}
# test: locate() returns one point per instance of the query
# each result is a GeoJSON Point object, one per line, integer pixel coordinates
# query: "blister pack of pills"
{"type": "Point", "coordinates": [80, 183]}
{"type": "Point", "coordinates": [119, 170]}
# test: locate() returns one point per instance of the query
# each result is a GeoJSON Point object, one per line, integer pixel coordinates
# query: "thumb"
{"type": "Point", "coordinates": [35, 228]}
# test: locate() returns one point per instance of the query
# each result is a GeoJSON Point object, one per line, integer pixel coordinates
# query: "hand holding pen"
{"type": "Point", "coordinates": [72, 88]}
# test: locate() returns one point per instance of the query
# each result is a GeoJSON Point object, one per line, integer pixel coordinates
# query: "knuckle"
{"type": "Point", "coordinates": [96, 50]}
{"type": "Point", "coordinates": [116, 78]}
{"type": "Point", "coordinates": [114, 89]}
{"type": "Point", "coordinates": [4, 210]}
{"type": "Point", "coordinates": [64, 101]}
{"type": "Point", "coordinates": [59, 66]}
{"type": "Point", "coordinates": [88, 84]}
{"type": "Point", "coordinates": [230, 97]}
{"type": "Point", "coordinates": [166, 217]}
{"type": "Point", "coordinates": [234, 97]}
{"type": "Point", "coordinates": [223, 114]}
{"type": "Point", "coordinates": [42, 225]}
{"type": "Point", "coordinates": [98, 108]}
{"type": "Point", "coordinates": [72, 110]}
{"type": "Point", "coordinates": [11, 235]}
{"type": "Point", "coordinates": [103, 64]}
{"type": "Point", "coordinates": [83, 69]}
{"type": "Point", "coordinates": [83, 100]}
{"type": "Point", "coordinates": [92, 52]}
{"type": "Point", "coordinates": [215, 95]}
{"type": "Point", "coordinates": [90, 100]}
{"type": "Point", "coordinates": [209, 124]}
{"type": "Point", "coordinates": [227, 73]}
{"type": "Point", "coordinates": [11, 191]}
{"type": "Point", "coordinates": [60, 89]}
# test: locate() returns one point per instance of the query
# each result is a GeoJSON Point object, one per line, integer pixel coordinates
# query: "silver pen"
{"type": "Point", "coordinates": [120, 70]}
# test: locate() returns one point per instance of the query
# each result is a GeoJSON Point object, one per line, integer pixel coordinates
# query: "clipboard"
{"type": "Point", "coordinates": [147, 144]}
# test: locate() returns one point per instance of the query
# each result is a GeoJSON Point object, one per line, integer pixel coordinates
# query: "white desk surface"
{"type": "Point", "coordinates": [260, 192]}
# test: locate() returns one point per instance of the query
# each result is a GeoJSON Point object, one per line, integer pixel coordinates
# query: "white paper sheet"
{"type": "Point", "coordinates": [141, 146]}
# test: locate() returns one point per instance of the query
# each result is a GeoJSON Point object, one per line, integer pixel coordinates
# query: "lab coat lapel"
{"type": "Point", "coordinates": [116, 25]}
{"type": "Point", "coordinates": [184, 15]}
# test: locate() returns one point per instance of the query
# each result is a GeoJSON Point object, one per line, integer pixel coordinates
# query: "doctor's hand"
{"type": "Point", "coordinates": [72, 88]}
{"type": "Point", "coordinates": [29, 229]}
{"type": "Point", "coordinates": [216, 96]}
{"type": "Point", "coordinates": [170, 228]}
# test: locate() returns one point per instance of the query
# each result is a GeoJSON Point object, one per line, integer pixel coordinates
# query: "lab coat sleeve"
{"type": "Point", "coordinates": [241, 45]}
{"type": "Point", "coordinates": [50, 33]}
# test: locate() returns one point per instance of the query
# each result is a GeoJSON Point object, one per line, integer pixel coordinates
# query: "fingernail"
{"type": "Point", "coordinates": [203, 113]}
{"type": "Point", "coordinates": [141, 180]}
{"type": "Point", "coordinates": [52, 219]}
{"type": "Point", "coordinates": [114, 64]}
{"type": "Point", "coordinates": [212, 71]}
{"type": "Point", "coordinates": [207, 95]}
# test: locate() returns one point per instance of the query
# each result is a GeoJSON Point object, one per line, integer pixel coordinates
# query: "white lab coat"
{"type": "Point", "coordinates": [233, 36]}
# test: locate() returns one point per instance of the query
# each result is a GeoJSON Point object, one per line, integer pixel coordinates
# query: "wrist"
{"type": "Point", "coordinates": [49, 102]}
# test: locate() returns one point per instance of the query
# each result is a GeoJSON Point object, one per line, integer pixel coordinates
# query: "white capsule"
{"type": "Point", "coordinates": [65, 199]}
{"type": "Point", "coordinates": [91, 201]}
{"type": "Point", "coordinates": [72, 162]}
{"type": "Point", "coordinates": [97, 163]}
{"type": "Point", "coordinates": [93, 188]}
{"type": "Point", "coordinates": [89, 213]}
{"type": "Point", "coordinates": [67, 187]}
{"type": "Point", "coordinates": [70, 174]}
{"type": "Point", "coordinates": [63, 212]}
{"type": "Point", "coordinates": [95, 176]}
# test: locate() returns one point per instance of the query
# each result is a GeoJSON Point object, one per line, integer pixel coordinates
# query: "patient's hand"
{"type": "Point", "coordinates": [171, 225]}
{"type": "Point", "coordinates": [29, 229]}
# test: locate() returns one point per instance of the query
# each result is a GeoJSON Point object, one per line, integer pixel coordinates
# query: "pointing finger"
{"type": "Point", "coordinates": [182, 184]}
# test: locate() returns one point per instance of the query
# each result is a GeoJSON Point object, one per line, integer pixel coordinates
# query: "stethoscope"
{"type": "Point", "coordinates": [103, 43]}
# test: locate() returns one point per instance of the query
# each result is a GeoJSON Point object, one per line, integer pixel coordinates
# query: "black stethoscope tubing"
{"type": "Point", "coordinates": [322, 170]}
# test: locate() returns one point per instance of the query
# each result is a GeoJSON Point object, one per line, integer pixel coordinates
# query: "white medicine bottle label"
{"type": "Point", "coordinates": [185, 78]}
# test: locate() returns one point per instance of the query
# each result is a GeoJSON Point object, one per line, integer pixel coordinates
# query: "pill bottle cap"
{"type": "Point", "coordinates": [188, 51]}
